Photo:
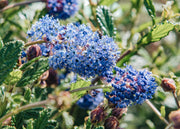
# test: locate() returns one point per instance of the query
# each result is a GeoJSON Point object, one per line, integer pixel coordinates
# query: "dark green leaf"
{"type": "Point", "coordinates": [9, 55]}
{"type": "Point", "coordinates": [33, 73]}
{"type": "Point", "coordinates": [29, 63]}
{"type": "Point", "coordinates": [42, 120]}
{"type": "Point", "coordinates": [27, 94]}
{"type": "Point", "coordinates": [1, 43]}
{"type": "Point", "coordinates": [150, 8]}
{"type": "Point", "coordinates": [105, 20]}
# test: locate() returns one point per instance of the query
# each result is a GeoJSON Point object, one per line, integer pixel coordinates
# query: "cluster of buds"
{"type": "Point", "coordinates": [99, 115]}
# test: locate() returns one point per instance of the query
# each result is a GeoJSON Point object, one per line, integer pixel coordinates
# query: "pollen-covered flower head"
{"type": "Point", "coordinates": [62, 9]}
{"type": "Point", "coordinates": [84, 51]}
{"type": "Point", "coordinates": [131, 86]}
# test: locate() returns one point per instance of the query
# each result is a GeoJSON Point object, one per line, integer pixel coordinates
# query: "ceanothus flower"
{"type": "Point", "coordinates": [46, 29]}
{"type": "Point", "coordinates": [131, 87]}
{"type": "Point", "coordinates": [62, 9]}
{"type": "Point", "coordinates": [90, 102]}
{"type": "Point", "coordinates": [83, 51]}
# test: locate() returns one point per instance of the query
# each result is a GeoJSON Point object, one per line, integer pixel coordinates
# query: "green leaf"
{"type": "Point", "coordinates": [33, 73]}
{"type": "Point", "coordinates": [1, 43]}
{"type": "Point", "coordinates": [105, 20]}
{"type": "Point", "coordinates": [3, 101]}
{"type": "Point", "coordinates": [107, 2]}
{"type": "Point", "coordinates": [150, 8]}
{"type": "Point", "coordinates": [30, 124]}
{"type": "Point", "coordinates": [13, 77]}
{"type": "Point", "coordinates": [9, 127]}
{"type": "Point", "coordinates": [42, 120]}
{"type": "Point", "coordinates": [27, 94]}
{"type": "Point", "coordinates": [79, 84]}
{"type": "Point", "coordinates": [157, 33]}
{"type": "Point", "coordinates": [29, 63]}
{"type": "Point", "coordinates": [163, 111]}
{"type": "Point", "coordinates": [9, 55]}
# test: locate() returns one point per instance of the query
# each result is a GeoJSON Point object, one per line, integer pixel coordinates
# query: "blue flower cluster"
{"type": "Point", "coordinates": [131, 86]}
{"type": "Point", "coordinates": [84, 52]}
{"type": "Point", "coordinates": [89, 102]}
{"type": "Point", "coordinates": [62, 9]}
{"type": "Point", "coordinates": [45, 29]}
{"type": "Point", "coordinates": [75, 47]}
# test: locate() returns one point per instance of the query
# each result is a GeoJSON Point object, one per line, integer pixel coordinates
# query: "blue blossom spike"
{"type": "Point", "coordinates": [91, 102]}
{"type": "Point", "coordinates": [82, 51]}
{"type": "Point", "coordinates": [62, 9]}
{"type": "Point", "coordinates": [131, 87]}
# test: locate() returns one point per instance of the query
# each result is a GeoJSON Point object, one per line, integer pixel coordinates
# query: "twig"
{"type": "Point", "coordinates": [89, 88]}
{"type": "Point", "coordinates": [23, 108]}
{"type": "Point", "coordinates": [20, 4]}
{"type": "Point", "coordinates": [123, 55]}
{"type": "Point", "coordinates": [176, 99]}
{"type": "Point", "coordinates": [156, 111]}
{"type": "Point", "coordinates": [35, 42]}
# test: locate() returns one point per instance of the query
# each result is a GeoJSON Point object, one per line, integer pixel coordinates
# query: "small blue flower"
{"type": "Point", "coordinates": [131, 86]}
{"type": "Point", "coordinates": [62, 9]}
{"type": "Point", "coordinates": [91, 102]}
{"type": "Point", "coordinates": [44, 29]}
{"type": "Point", "coordinates": [82, 51]}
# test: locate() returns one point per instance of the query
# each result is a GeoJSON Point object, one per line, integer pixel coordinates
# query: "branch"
{"type": "Point", "coordinates": [23, 108]}
{"type": "Point", "coordinates": [176, 99]}
{"type": "Point", "coordinates": [20, 4]}
{"type": "Point", "coordinates": [89, 88]}
{"type": "Point", "coordinates": [156, 111]}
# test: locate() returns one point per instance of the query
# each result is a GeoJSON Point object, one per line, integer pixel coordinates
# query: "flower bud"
{"type": "Point", "coordinates": [174, 116]}
{"type": "Point", "coordinates": [3, 3]}
{"type": "Point", "coordinates": [33, 51]}
{"type": "Point", "coordinates": [97, 115]}
{"type": "Point", "coordinates": [52, 78]}
{"type": "Point", "coordinates": [168, 85]}
{"type": "Point", "coordinates": [111, 123]}
{"type": "Point", "coordinates": [119, 112]}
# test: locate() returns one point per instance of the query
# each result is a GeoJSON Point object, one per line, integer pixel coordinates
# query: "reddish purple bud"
{"type": "Point", "coordinates": [33, 51]}
{"type": "Point", "coordinates": [168, 85]}
{"type": "Point", "coordinates": [119, 112]}
{"type": "Point", "coordinates": [111, 123]}
{"type": "Point", "coordinates": [3, 3]}
{"type": "Point", "coordinates": [52, 78]}
{"type": "Point", "coordinates": [174, 116]}
{"type": "Point", "coordinates": [98, 115]}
